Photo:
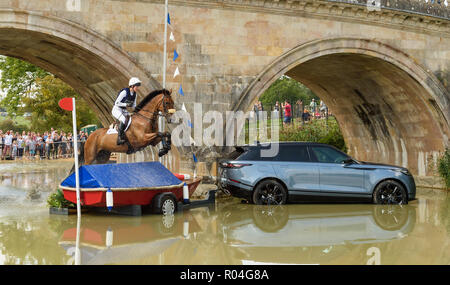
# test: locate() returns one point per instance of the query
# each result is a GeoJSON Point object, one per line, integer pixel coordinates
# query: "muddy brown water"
{"type": "Point", "coordinates": [227, 233]}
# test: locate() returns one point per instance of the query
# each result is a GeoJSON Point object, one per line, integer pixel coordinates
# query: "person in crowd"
{"type": "Point", "coordinates": [305, 115]}
{"type": "Point", "coordinates": [313, 106]}
{"type": "Point", "coordinates": [2, 143]}
{"type": "Point", "coordinates": [56, 142]}
{"type": "Point", "coordinates": [277, 106]}
{"type": "Point", "coordinates": [14, 150]}
{"type": "Point", "coordinates": [20, 146]}
{"type": "Point", "coordinates": [70, 144]}
{"type": "Point", "coordinates": [323, 109]}
{"type": "Point", "coordinates": [287, 112]}
{"type": "Point", "coordinates": [26, 139]}
{"type": "Point", "coordinates": [299, 109]}
{"type": "Point", "coordinates": [48, 146]}
{"type": "Point", "coordinates": [39, 145]}
{"type": "Point", "coordinates": [276, 109]}
{"type": "Point", "coordinates": [32, 146]}
{"type": "Point", "coordinates": [63, 146]}
{"type": "Point", "coordinates": [8, 143]}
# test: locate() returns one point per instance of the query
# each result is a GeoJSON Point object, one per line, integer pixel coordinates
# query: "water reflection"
{"type": "Point", "coordinates": [311, 233]}
{"type": "Point", "coordinates": [116, 240]}
{"type": "Point", "coordinates": [315, 225]}
{"type": "Point", "coordinates": [229, 233]}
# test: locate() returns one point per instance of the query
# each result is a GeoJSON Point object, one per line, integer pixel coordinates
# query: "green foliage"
{"type": "Point", "coordinates": [31, 89]}
{"type": "Point", "coordinates": [9, 124]}
{"type": "Point", "coordinates": [312, 131]}
{"type": "Point", "coordinates": [444, 167]}
{"type": "Point", "coordinates": [46, 112]}
{"type": "Point", "coordinates": [57, 200]}
{"type": "Point", "coordinates": [315, 131]}
{"type": "Point", "coordinates": [285, 88]}
{"type": "Point", "coordinates": [17, 81]}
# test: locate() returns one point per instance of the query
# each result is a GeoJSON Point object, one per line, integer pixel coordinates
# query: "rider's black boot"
{"type": "Point", "coordinates": [121, 134]}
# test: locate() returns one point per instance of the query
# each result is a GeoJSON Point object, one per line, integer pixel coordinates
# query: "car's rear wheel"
{"type": "Point", "coordinates": [390, 192]}
{"type": "Point", "coordinates": [269, 192]}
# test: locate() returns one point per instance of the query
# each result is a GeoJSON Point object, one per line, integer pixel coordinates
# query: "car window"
{"type": "Point", "coordinates": [328, 154]}
{"type": "Point", "coordinates": [253, 153]}
{"type": "Point", "coordinates": [293, 153]}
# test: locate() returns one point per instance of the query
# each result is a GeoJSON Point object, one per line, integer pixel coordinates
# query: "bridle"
{"type": "Point", "coordinates": [153, 115]}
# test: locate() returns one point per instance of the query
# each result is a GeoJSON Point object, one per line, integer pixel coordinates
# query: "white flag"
{"type": "Point", "coordinates": [172, 38]}
{"type": "Point", "coordinates": [177, 72]}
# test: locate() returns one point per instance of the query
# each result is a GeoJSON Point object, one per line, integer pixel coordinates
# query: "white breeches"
{"type": "Point", "coordinates": [120, 113]}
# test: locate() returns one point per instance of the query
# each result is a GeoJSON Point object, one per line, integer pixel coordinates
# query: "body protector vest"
{"type": "Point", "coordinates": [129, 99]}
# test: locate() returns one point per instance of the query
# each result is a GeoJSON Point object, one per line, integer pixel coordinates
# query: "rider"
{"type": "Point", "coordinates": [126, 98]}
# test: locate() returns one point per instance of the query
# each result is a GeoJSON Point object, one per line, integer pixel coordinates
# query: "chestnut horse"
{"type": "Point", "coordinates": [143, 131]}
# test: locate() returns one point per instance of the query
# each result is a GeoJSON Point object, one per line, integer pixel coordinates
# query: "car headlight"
{"type": "Point", "coordinates": [404, 171]}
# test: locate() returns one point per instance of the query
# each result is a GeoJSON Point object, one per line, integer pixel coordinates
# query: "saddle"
{"type": "Point", "coordinates": [114, 129]}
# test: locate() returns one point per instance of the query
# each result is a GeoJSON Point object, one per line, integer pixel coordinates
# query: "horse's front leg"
{"type": "Point", "coordinates": [153, 138]}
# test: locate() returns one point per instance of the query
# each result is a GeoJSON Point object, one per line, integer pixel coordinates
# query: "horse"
{"type": "Point", "coordinates": [143, 131]}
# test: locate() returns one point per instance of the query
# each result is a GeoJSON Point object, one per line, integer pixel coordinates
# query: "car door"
{"type": "Point", "coordinates": [293, 166]}
{"type": "Point", "coordinates": [335, 176]}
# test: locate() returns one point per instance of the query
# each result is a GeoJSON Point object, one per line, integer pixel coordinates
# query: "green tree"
{"type": "Point", "coordinates": [29, 88]}
{"type": "Point", "coordinates": [46, 112]}
{"type": "Point", "coordinates": [444, 167]}
{"type": "Point", "coordinates": [9, 124]}
{"type": "Point", "coordinates": [286, 88]}
{"type": "Point", "coordinates": [17, 80]}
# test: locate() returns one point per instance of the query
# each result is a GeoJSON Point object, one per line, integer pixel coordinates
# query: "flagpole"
{"type": "Point", "coordinates": [75, 147]}
{"type": "Point", "coordinates": [166, 10]}
{"type": "Point", "coordinates": [161, 121]}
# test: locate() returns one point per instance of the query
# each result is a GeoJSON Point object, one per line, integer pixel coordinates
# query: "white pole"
{"type": "Point", "coordinates": [77, 242]}
{"type": "Point", "coordinates": [75, 147]}
{"type": "Point", "coordinates": [166, 16]}
{"type": "Point", "coordinates": [166, 10]}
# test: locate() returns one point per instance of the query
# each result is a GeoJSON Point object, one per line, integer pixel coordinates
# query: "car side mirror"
{"type": "Point", "coordinates": [348, 161]}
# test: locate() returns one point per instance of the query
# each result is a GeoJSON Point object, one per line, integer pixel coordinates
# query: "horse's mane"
{"type": "Point", "coordinates": [149, 98]}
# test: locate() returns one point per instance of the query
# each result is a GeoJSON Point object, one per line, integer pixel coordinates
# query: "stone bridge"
{"type": "Point", "coordinates": [382, 67]}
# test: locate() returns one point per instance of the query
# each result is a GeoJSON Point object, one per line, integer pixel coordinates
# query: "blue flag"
{"type": "Point", "coordinates": [175, 55]}
{"type": "Point", "coordinates": [195, 158]}
{"type": "Point", "coordinates": [168, 18]}
{"type": "Point", "coordinates": [181, 91]}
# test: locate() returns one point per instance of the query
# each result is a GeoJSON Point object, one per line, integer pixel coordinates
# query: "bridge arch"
{"type": "Point", "coordinates": [390, 109]}
{"type": "Point", "coordinates": [90, 63]}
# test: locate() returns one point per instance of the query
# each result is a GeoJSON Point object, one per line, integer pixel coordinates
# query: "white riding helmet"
{"type": "Point", "coordinates": [134, 81]}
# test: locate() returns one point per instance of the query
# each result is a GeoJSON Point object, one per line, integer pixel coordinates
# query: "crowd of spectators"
{"type": "Point", "coordinates": [304, 111]}
{"type": "Point", "coordinates": [31, 145]}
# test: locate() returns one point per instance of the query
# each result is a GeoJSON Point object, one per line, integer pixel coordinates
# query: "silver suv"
{"type": "Point", "coordinates": [312, 172]}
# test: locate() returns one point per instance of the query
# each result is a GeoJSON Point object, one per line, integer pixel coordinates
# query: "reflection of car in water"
{"type": "Point", "coordinates": [314, 225]}
{"type": "Point", "coordinates": [117, 240]}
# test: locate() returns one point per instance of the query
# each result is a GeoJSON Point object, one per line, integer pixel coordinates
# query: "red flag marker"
{"type": "Point", "coordinates": [66, 104]}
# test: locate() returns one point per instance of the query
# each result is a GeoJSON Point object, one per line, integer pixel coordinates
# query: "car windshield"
{"type": "Point", "coordinates": [329, 155]}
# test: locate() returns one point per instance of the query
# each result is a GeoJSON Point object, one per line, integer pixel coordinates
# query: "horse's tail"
{"type": "Point", "coordinates": [80, 159]}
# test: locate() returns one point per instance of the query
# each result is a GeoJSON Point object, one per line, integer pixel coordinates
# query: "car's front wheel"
{"type": "Point", "coordinates": [390, 192]}
{"type": "Point", "coordinates": [269, 192]}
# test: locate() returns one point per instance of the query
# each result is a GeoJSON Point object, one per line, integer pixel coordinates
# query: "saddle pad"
{"type": "Point", "coordinates": [113, 128]}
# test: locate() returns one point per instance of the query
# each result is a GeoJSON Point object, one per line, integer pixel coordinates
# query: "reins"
{"type": "Point", "coordinates": [153, 114]}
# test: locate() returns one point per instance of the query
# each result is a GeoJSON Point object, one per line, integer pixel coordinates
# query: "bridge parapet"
{"type": "Point", "coordinates": [433, 8]}
{"type": "Point", "coordinates": [410, 14]}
